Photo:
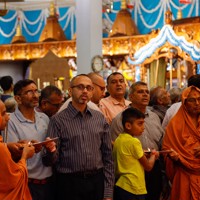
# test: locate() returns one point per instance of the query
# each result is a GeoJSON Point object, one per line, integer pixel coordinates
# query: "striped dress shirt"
{"type": "Point", "coordinates": [84, 143]}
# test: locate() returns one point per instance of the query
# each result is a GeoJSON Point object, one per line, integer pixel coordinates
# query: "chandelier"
{"type": "Point", "coordinates": [4, 11]}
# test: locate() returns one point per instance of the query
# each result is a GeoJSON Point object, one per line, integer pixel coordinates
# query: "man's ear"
{"type": "Point", "coordinates": [107, 88]}
{"type": "Point", "coordinates": [70, 92]}
{"type": "Point", "coordinates": [43, 102]}
{"type": "Point", "coordinates": [130, 96]}
{"type": "Point", "coordinates": [17, 99]}
{"type": "Point", "coordinates": [159, 101]}
{"type": "Point", "coordinates": [0, 119]}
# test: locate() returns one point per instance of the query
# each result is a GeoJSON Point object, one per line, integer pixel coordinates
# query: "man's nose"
{"type": "Point", "coordinates": [7, 117]}
{"type": "Point", "coordinates": [145, 93]}
{"type": "Point", "coordinates": [103, 93]}
{"type": "Point", "coordinates": [119, 82]}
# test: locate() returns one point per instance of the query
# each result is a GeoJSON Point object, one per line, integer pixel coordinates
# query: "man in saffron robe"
{"type": "Point", "coordinates": [183, 136]}
{"type": "Point", "coordinates": [13, 176]}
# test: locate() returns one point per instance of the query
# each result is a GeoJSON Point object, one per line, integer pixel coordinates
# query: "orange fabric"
{"type": "Point", "coordinates": [182, 135]}
{"type": "Point", "coordinates": [13, 177]}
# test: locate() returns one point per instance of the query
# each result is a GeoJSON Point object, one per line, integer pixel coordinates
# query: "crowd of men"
{"type": "Point", "coordinates": [144, 147]}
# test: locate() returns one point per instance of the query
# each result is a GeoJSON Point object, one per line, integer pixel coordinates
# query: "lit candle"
{"type": "Point", "coordinates": [38, 83]}
{"type": "Point", "coordinates": [170, 73]}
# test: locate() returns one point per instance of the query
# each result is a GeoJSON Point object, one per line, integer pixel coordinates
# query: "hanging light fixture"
{"type": "Point", "coordinates": [4, 11]}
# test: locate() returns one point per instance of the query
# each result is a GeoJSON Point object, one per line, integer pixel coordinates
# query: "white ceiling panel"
{"type": "Point", "coordinates": [33, 4]}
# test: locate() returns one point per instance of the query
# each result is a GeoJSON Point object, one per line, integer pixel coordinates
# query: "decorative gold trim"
{"type": "Point", "coordinates": [111, 46]}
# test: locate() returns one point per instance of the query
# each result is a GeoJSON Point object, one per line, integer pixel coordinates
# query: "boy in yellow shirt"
{"type": "Point", "coordinates": [129, 158]}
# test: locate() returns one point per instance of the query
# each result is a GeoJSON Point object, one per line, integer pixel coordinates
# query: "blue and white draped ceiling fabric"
{"type": "Point", "coordinates": [166, 34]}
{"type": "Point", "coordinates": [147, 16]}
{"type": "Point", "coordinates": [33, 22]}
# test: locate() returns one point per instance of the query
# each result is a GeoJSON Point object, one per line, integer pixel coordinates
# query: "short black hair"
{"type": "Point", "coordinates": [75, 77]}
{"type": "Point", "coordinates": [130, 114]}
{"type": "Point", "coordinates": [48, 91]}
{"type": "Point", "coordinates": [113, 74]}
{"type": "Point", "coordinates": [21, 84]}
{"type": "Point", "coordinates": [194, 80]}
{"type": "Point", "coordinates": [6, 82]}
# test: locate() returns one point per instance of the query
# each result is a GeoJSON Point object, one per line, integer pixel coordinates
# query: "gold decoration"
{"type": "Point", "coordinates": [179, 14]}
{"type": "Point", "coordinates": [52, 9]}
{"type": "Point", "coordinates": [111, 46]}
{"type": "Point", "coordinates": [123, 4]}
{"type": "Point", "coordinates": [18, 31]}
{"type": "Point", "coordinates": [123, 25]}
{"type": "Point", "coordinates": [168, 17]}
{"type": "Point", "coordinates": [18, 38]}
{"type": "Point", "coordinates": [52, 31]}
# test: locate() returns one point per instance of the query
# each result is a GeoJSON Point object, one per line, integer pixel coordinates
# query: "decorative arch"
{"type": "Point", "coordinates": [167, 38]}
{"type": "Point", "coordinates": [165, 45]}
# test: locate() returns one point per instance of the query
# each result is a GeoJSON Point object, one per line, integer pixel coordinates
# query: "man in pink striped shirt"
{"type": "Point", "coordinates": [115, 103]}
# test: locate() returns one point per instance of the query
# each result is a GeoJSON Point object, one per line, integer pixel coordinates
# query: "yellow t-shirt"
{"type": "Point", "coordinates": [128, 170]}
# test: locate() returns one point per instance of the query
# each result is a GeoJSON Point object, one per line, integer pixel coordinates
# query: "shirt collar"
{"type": "Point", "coordinates": [73, 112]}
{"type": "Point", "coordinates": [21, 117]}
{"type": "Point", "coordinates": [146, 111]}
{"type": "Point", "coordinates": [114, 101]}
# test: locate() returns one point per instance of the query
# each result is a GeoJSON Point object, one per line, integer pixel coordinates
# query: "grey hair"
{"type": "Point", "coordinates": [134, 85]}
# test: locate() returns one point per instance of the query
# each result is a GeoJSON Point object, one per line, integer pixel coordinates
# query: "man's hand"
{"type": "Point", "coordinates": [38, 147]}
{"type": "Point", "coordinates": [15, 150]}
{"type": "Point", "coordinates": [28, 151]}
{"type": "Point", "coordinates": [174, 155]}
{"type": "Point", "coordinates": [50, 146]}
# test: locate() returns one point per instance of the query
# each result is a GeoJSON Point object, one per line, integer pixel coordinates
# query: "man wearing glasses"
{"type": "Point", "coordinates": [28, 125]}
{"type": "Point", "coordinates": [98, 92]}
{"type": "Point", "coordinates": [84, 157]}
{"type": "Point", "coordinates": [50, 100]}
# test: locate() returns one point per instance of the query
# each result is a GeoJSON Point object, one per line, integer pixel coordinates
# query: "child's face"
{"type": "Point", "coordinates": [135, 128]}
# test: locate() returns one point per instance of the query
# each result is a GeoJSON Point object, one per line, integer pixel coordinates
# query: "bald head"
{"type": "Point", "coordinates": [3, 116]}
{"type": "Point", "coordinates": [99, 87]}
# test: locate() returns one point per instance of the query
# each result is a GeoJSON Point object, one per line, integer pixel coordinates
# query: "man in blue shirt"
{"type": "Point", "coordinates": [25, 125]}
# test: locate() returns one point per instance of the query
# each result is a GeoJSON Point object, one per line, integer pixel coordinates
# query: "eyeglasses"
{"type": "Point", "coordinates": [82, 87]}
{"type": "Point", "coordinates": [101, 88]}
{"type": "Point", "coordinates": [30, 92]}
{"type": "Point", "coordinates": [193, 100]}
{"type": "Point", "coordinates": [57, 105]}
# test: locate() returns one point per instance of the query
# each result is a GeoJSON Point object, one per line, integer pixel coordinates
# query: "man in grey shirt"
{"type": "Point", "coordinates": [151, 137]}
